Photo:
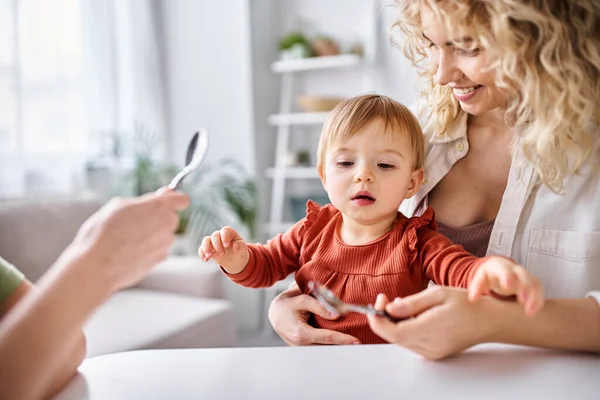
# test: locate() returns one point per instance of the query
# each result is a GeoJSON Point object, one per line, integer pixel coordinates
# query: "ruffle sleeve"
{"type": "Point", "coordinates": [317, 217]}
{"type": "Point", "coordinates": [414, 231]}
{"type": "Point", "coordinates": [312, 212]}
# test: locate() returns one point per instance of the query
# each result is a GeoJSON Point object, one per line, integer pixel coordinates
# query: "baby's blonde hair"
{"type": "Point", "coordinates": [353, 114]}
{"type": "Point", "coordinates": [546, 58]}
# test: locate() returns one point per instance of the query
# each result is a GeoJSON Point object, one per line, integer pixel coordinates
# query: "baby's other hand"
{"type": "Point", "coordinates": [227, 248]}
{"type": "Point", "coordinates": [506, 278]}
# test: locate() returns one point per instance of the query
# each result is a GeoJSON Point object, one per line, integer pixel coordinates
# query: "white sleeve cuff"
{"type": "Point", "coordinates": [595, 295]}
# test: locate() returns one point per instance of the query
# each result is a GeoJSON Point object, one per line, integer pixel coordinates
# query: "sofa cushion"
{"type": "Point", "coordinates": [135, 319]}
{"type": "Point", "coordinates": [33, 233]}
{"type": "Point", "coordinates": [186, 275]}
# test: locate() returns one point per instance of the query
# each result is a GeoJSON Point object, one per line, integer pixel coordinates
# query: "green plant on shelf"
{"type": "Point", "coordinates": [292, 39]}
{"type": "Point", "coordinates": [295, 45]}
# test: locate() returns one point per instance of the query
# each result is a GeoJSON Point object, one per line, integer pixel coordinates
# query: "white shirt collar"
{"type": "Point", "coordinates": [458, 130]}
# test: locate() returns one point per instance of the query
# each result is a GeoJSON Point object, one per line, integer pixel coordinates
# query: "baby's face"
{"type": "Point", "coordinates": [369, 175]}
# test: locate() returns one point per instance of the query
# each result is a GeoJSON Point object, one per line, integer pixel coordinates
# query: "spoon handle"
{"type": "Point", "coordinates": [384, 313]}
{"type": "Point", "coordinates": [370, 310]}
{"type": "Point", "coordinates": [176, 181]}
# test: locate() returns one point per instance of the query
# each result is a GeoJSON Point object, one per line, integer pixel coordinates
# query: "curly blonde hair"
{"type": "Point", "coordinates": [546, 58]}
{"type": "Point", "coordinates": [351, 115]}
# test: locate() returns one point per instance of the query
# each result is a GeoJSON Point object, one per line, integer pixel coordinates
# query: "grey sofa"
{"type": "Point", "coordinates": [180, 304]}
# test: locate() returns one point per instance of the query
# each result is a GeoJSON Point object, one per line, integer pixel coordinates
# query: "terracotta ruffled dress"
{"type": "Point", "coordinates": [400, 263]}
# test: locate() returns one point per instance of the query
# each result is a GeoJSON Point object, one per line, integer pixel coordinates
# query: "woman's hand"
{"type": "Point", "coordinates": [121, 242]}
{"type": "Point", "coordinates": [289, 313]}
{"type": "Point", "coordinates": [445, 321]}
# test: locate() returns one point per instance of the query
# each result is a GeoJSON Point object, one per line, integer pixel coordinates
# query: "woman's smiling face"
{"type": "Point", "coordinates": [460, 64]}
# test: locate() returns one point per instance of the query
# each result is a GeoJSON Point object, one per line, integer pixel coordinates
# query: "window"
{"type": "Point", "coordinates": [43, 130]}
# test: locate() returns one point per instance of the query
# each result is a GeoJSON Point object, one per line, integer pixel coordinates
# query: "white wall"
{"type": "Point", "coordinates": [209, 81]}
{"type": "Point", "coordinates": [397, 78]}
{"type": "Point", "coordinates": [266, 25]}
{"type": "Point", "coordinates": [207, 47]}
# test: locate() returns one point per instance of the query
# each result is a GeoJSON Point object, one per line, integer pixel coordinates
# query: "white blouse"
{"type": "Point", "coordinates": [555, 236]}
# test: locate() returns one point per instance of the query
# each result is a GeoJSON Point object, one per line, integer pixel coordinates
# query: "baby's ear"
{"type": "Point", "coordinates": [416, 180]}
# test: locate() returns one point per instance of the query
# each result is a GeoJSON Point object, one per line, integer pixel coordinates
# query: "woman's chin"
{"type": "Point", "coordinates": [480, 107]}
{"type": "Point", "coordinates": [474, 109]}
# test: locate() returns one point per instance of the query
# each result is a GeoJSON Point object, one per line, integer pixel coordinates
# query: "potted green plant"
{"type": "Point", "coordinates": [294, 45]}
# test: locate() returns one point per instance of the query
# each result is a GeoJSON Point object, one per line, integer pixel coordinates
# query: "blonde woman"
{"type": "Point", "coordinates": [512, 136]}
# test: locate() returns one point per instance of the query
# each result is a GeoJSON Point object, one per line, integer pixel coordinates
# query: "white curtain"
{"type": "Point", "coordinates": [124, 61]}
{"type": "Point", "coordinates": [42, 116]}
{"type": "Point", "coordinates": [73, 72]}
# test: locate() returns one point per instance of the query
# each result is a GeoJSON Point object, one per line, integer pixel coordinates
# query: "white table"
{"type": "Point", "coordinates": [334, 372]}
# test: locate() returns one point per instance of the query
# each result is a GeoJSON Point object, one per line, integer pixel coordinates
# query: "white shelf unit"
{"type": "Point", "coordinates": [286, 119]}
{"type": "Point", "coordinates": [315, 63]}
{"type": "Point", "coordinates": [311, 118]}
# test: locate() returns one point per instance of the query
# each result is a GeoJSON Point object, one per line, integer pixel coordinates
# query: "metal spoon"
{"type": "Point", "coordinates": [334, 305]}
{"type": "Point", "coordinates": [194, 156]}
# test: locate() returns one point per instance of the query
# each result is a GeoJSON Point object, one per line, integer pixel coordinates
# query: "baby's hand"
{"type": "Point", "coordinates": [227, 248]}
{"type": "Point", "coordinates": [503, 277]}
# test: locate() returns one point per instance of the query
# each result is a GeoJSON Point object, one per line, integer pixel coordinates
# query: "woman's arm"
{"type": "Point", "coordinates": [113, 249]}
{"type": "Point", "coordinates": [446, 323]}
{"type": "Point", "coordinates": [72, 358]}
{"type": "Point", "coordinates": [571, 324]}
{"type": "Point", "coordinates": [42, 334]}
